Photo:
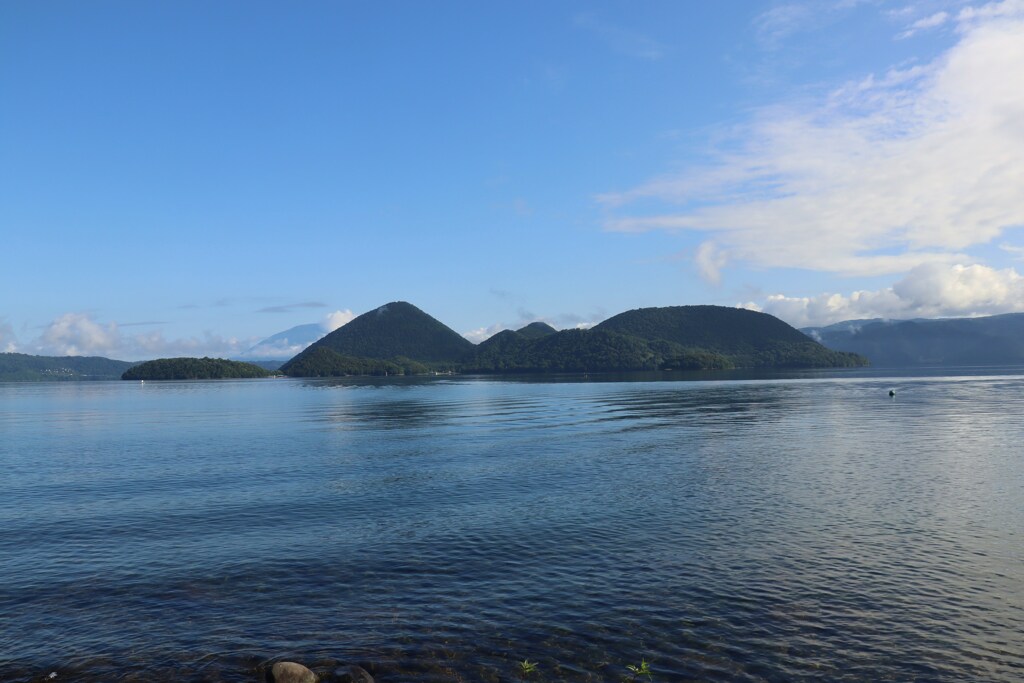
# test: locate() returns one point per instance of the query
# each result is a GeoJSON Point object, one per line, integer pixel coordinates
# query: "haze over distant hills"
{"type": "Point", "coordinates": [286, 344]}
{"type": "Point", "coordinates": [993, 340]}
{"type": "Point", "coordinates": [400, 338]}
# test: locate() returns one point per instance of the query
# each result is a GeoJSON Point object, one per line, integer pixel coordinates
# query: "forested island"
{"type": "Point", "coordinates": [399, 338]}
{"type": "Point", "coordinates": [194, 368]}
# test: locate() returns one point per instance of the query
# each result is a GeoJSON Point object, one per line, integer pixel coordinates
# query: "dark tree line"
{"type": "Point", "coordinates": [194, 368]}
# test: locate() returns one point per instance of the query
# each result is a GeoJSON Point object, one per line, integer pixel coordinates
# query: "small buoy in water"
{"type": "Point", "coordinates": [892, 392]}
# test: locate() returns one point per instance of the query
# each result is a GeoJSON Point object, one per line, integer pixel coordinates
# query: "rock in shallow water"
{"type": "Point", "coordinates": [290, 672]}
{"type": "Point", "coordinates": [352, 674]}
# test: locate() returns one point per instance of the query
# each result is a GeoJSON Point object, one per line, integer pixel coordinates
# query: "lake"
{"type": "Point", "coordinates": [801, 527]}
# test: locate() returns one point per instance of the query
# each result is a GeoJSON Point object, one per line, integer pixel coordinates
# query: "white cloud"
{"type": "Point", "coordinates": [911, 167]}
{"type": "Point", "coordinates": [992, 10]}
{"type": "Point", "coordinates": [709, 261]}
{"type": "Point", "coordinates": [1017, 252]}
{"type": "Point", "coordinates": [937, 19]}
{"type": "Point", "coordinates": [333, 321]}
{"type": "Point", "coordinates": [775, 25]}
{"type": "Point", "coordinates": [78, 334]}
{"type": "Point", "coordinates": [927, 291]}
{"type": "Point", "coordinates": [902, 12]}
{"type": "Point", "coordinates": [484, 333]}
{"type": "Point", "coordinates": [155, 345]}
{"type": "Point", "coordinates": [932, 21]}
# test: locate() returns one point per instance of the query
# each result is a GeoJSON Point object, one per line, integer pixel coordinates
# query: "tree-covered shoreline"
{"type": "Point", "coordinates": [21, 367]}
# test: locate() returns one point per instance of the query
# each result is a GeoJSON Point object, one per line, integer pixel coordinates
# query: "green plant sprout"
{"type": "Point", "coordinates": [527, 668]}
{"type": "Point", "coordinates": [637, 670]}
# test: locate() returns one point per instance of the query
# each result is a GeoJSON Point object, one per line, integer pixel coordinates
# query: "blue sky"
{"type": "Point", "coordinates": [187, 178]}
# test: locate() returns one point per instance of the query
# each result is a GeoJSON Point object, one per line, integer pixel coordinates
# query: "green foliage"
{"type": "Point", "coordinates": [527, 669]}
{"type": "Point", "coordinates": [721, 329]}
{"type": "Point", "coordinates": [638, 670]}
{"type": "Point", "coordinates": [672, 338]}
{"type": "Point", "coordinates": [565, 351]}
{"type": "Point", "coordinates": [697, 359]}
{"type": "Point", "coordinates": [600, 350]}
{"type": "Point", "coordinates": [536, 330]}
{"type": "Point", "coordinates": [805, 354]}
{"type": "Point", "coordinates": [194, 368]}
{"type": "Point", "coordinates": [20, 367]}
{"type": "Point", "coordinates": [325, 362]}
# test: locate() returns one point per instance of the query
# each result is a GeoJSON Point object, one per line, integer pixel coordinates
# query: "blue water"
{"type": "Point", "coordinates": [809, 528]}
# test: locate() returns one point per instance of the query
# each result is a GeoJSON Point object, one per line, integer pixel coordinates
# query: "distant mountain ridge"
{"type": "Point", "coordinates": [992, 340]}
{"type": "Point", "coordinates": [286, 344]}
{"type": "Point", "coordinates": [398, 337]}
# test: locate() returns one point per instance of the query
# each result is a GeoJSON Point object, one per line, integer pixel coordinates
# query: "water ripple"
{"type": "Point", "coordinates": [795, 529]}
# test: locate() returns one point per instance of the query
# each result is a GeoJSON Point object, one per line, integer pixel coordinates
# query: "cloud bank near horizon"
{"type": "Point", "coordinates": [80, 334]}
{"type": "Point", "coordinates": [927, 291]}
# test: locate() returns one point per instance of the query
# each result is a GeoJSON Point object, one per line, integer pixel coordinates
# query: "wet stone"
{"type": "Point", "coordinates": [290, 672]}
{"type": "Point", "coordinates": [352, 674]}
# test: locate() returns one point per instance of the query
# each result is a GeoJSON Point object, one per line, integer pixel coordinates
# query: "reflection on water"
{"type": "Point", "coordinates": [803, 527]}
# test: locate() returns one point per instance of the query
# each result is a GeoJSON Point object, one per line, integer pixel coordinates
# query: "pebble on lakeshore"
{"type": "Point", "coordinates": [290, 672]}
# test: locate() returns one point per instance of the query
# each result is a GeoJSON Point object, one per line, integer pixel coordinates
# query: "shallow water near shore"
{"type": "Point", "coordinates": [803, 527]}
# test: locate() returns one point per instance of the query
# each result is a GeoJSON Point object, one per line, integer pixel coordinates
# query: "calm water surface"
{"type": "Point", "coordinates": [772, 530]}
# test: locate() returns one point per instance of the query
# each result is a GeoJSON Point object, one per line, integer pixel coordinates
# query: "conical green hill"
{"type": "Point", "coordinates": [396, 330]}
